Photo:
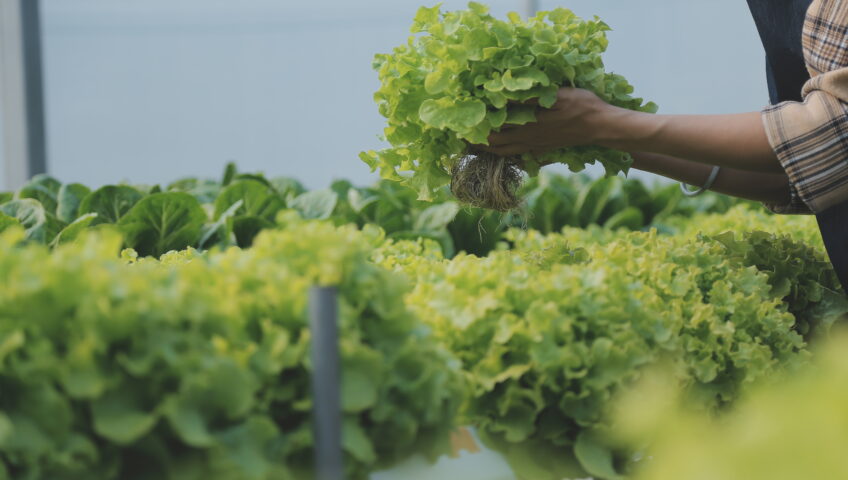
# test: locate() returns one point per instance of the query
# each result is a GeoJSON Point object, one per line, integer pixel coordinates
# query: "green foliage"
{"type": "Point", "coordinates": [30, 214]}
{"type": "Point", "coordinates": [553, 202]}
{"type": "Point", "coordinates": [43, 188]}
{"type": "Point", "coordinates": [551, 205]}
{"type": "Point", "coordinates": [205, 191]}
{"type": "Point", "coordinates": [236, 212]}
{"type": "Point", "coordinates": [742, 218]}
{"type": "Point", "coordinates": [257, 200]}
{"type": "Point", "coordinates": [110, 203]}
{"type": "Point", "coordinates": [242, 209]}
{"type": "Point", "coordinates": [550, 336]}
{"type": "Point", "coordinates": [396, 210]}
{"type": "Point", "coordinates": [287, 187]}
{"type": "Point", "coordinates": [465, 75]}
{"type": "Point", "coordinates": [162, 222]}
{"type": "Point", "coordinates": [6, 221]}
{"type": "Point", "coordinates": [793, 427]}
{"type": "Point", "coordinates": [786, 249]}
{"type": "Point", "coordinates": [318, 204]}
{"type": "Point", "coordinates": [799, 274]}
{"type": "Point", "coordinates": [197, 366]}
{"type": "Point", "coordinates": [74, 229]}
{"type": "Point", "coordinates": [477, 231]}
{"type": "Point", "coordinates": [69, 198]}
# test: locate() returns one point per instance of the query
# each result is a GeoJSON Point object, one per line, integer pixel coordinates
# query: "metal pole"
{"type": "Point", "coordinates": [326, 383]}
{"type": "Point", "coordinates": [530, 7]}
{"type": "Point", "coordinates": [21, 91]}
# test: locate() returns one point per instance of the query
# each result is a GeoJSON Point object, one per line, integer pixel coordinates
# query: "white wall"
{"type": "Point", "coordinates": [150, 91]}
{"type": "Point", "coordinates": [688, 57]}
{"type": "Point", "coordinates": [2, 165]}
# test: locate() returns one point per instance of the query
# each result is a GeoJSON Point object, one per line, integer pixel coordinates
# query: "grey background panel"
{"type": "Point", "coordinates": [2, 165]}
{"type": "Point", "coordinates": [688, 57]}
{"type": "Point", "coordinates": [151, 91]}
{"type": "Point", "coordinates": [21, 90]}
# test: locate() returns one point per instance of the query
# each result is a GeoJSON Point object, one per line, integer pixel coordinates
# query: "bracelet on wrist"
{"type": "Point", "coordinates": [709, 183]}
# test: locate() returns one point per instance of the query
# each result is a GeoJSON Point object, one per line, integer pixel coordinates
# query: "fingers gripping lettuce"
{"type": "Point", "coordinates": [463, 75]}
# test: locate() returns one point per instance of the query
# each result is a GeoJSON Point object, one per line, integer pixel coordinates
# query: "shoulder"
{"type": "Point", "coordinates": [824, 35]}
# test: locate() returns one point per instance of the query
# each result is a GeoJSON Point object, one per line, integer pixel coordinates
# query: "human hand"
{"type": "Point", "coordinates": [575, 119]}
{"type": "Point", "coordinates": [579, 117]}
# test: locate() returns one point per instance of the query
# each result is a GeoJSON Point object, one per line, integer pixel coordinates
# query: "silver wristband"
{"type": "Point", "coordinates": [707, 185]}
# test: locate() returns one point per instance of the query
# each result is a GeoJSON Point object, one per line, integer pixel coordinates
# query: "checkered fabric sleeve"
{"type": "Point", "coordinates": [810, 138]}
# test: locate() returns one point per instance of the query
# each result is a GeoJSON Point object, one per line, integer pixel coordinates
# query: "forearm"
{"type": "Point", "coordinates": [732, 141]}
{"type": "Point", "coordinates": [762, 187]}
{"type": "Point", "coordinates": [579, 117]}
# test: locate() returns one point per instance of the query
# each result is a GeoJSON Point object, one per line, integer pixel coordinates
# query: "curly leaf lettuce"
{"type": "Point", "coordinates": [458, 77]}
{"type": "Point", "coordinates": [551, 331]}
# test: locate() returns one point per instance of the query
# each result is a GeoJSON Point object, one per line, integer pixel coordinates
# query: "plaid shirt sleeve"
{"type": "Point", "coordinates": [810, 138]}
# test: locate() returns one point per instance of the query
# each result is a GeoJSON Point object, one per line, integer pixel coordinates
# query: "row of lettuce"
{"type": "Point", "coordinates": [195, 365]}
{"type": "Point", "coordinates": [202, 213]}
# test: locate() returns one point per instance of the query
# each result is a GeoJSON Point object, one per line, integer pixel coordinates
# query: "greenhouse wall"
{"type": "Point", "coordinates": [155, 90]}
{"type": "Point", "coordinates": [2, 159]}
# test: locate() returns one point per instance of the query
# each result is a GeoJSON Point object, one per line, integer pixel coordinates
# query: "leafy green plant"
{"type": "Point", "coordinates": [787, 249]}
{"type": "Point", "coordinates": [243, 208]}
{"type": "Point", "coordinates": [162, 222]}
{"type": "Point", "coordinates": [6, 221]}
{"type": "Point", "coordinates": [204, 190]}
{"type": "Point", "coordinates": [30, 214]}
{"type": "Point", "coordinates": [197, 365]}
{"type": "Point", "coordinates": [553, 202]}
{"type": "Point", "coordinates": [794, 426]}
{"type": "Point", "coordinates": [237, 211]}
{"type": "Point", "coordinates": [110, 203]}
{"type": "Point", "coordinates": [799, 274]}
{"type": "Point", "coordinates": [452, 85]}
{"type": "Point", "coordinates": [43, 188]}
{"type": "Point", "coordinates": [551, 331]}
{"type": "Point", "coordinates": [742, 218]}
{"type": "Point", "coordinates": [126, 356]}
{"type": "Point", "coordinates": [74, 229]}
{"type": "Point", "coordinates": [317, 204]}
{"type": "Point", "coordinates": [70, 196]}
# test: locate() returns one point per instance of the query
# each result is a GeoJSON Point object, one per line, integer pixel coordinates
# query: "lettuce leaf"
{"type": "Point", "coordinates": [461, 75]}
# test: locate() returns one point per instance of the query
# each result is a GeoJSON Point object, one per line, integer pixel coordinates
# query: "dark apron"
{"type": "Point", "coordinates": [780, 23]}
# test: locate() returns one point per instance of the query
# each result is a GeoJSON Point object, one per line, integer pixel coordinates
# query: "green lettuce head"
{"type": "Point", "coordinates": [463, 75]}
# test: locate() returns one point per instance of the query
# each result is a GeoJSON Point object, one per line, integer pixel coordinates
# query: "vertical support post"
{"type": "Point", "coordinates": [326, 383]}
{"type": "Point", "coordinates": [21, 91]}
{"type": "Point", "coordinates": [530, 7]}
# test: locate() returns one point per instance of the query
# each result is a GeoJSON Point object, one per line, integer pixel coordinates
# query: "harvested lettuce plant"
{"type": "Point", "coordinates": [465, 74]}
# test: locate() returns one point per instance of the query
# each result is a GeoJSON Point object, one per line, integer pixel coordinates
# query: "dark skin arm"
{"type": "Point", "coordinates": [660, 143]}
{"type": "Point", "coordinates": [770, 188]}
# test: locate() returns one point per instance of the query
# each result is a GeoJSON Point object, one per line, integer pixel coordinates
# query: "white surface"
{"type": "Point", "coordinates": [2, 165]}
{"type": "Point", "coordinates": [483, 465]}
{"type": "Point", "coordinates": [688, 57]}
{"type": "Point", "coordinates": [150, 91]}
